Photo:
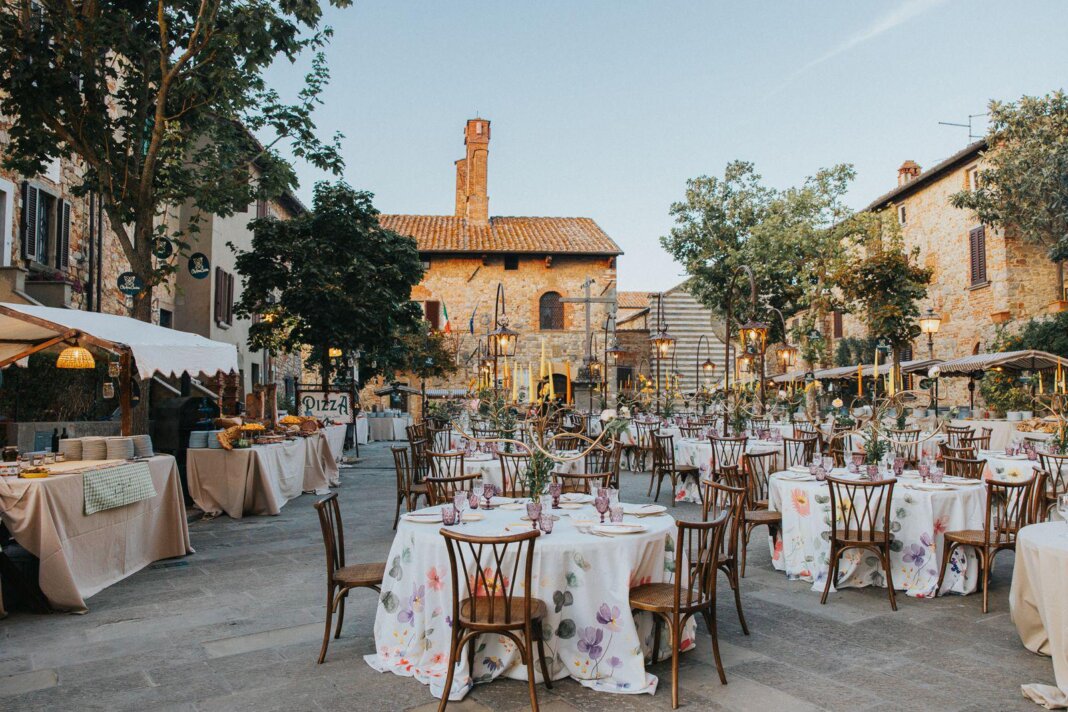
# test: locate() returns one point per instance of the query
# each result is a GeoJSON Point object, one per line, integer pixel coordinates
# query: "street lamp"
{"type": "Point", "coordinates": [662, 341]}
{"type": "Point", "coordinates": [502, 340]}
{"type": "Point", "coordinates": [707, 367]}
{"type": "Point", "coordinates": [787, 356]}
{"type": "Point", "coordinates": [740, 269]}
{"type": "Point", "coordinates": [929, 324]}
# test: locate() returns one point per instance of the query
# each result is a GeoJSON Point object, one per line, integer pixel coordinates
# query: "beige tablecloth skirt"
{"type": "Point", "coordinates": [335, 438]}
{"type": "Point", "coordinates": [1038, 604]}
{"type": "Point", "coordinates": [81, 555]}
{"type": "Point", "coordinates": [259, 479]}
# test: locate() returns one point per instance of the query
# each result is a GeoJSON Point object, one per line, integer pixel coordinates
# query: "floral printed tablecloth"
{"type": "Point", "coordinates": [690, 451]}
{"type": "Point", "coordinates": [490, 468]}
{"type": "Point", "coordinates": [585, 581]}
{"type": "Point", "coordinates": [1003, 467]}
{"type": "Point", "coordinates": [918, 520]}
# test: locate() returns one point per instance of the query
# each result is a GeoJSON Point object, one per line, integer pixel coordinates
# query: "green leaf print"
{"type": "Point", "coordinates": [581, 562]}
{"type": "Point", "coordinates": [395, 570]}
{"type": "Point", "coordinates": [561, 599]}
{"type": "Point", "coordinates": [572, 579]}
{"type": "Point", "coordinates": [389, 602]}
{"type": "Point", "coordinates": [901, 513]}
{"type": "Point", "coordinates": [406, 555]}
{"type": "Point", "coordinates": [669, 565]}
{"type": "Point", "coordinates": [566, 629]}
{"type": "Point", "coordinates": [822, 499]}
{"type": "Point", "coordinates": [546, 631]}
{"type": "Point", "coordinates": [669, 544]}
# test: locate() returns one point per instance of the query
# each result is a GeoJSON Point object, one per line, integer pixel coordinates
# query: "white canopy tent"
{"type": "Point", "coordinates": [1006, 361]}
{"type": "Point", "coordinates": [26, 329]}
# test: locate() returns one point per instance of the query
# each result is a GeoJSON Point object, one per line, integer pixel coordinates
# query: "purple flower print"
{"type": "Point", "coordinates": [415, 603]}
{"type": "Point", "coordinates": [915, 554]}
{"type": "Point", "coordinates": [608, 617]}
{"type": "Point", "coordinates": [406, 615]}
{"type": "Point", "coordinates": [590, 641]}
{"type": "Point", "coordinates": [614, 662]}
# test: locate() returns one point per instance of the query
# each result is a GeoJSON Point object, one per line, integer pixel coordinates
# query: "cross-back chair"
{"type": "Point", "coordinates": [860, 519]}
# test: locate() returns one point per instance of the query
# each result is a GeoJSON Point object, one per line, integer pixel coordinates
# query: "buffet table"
{"type": "Point", "coordinates": [259, 479]}
{"type": "Point", "coordinates": [81, 554]}
{"type": "Point", "coordinates": [584, 578]}
{"type": "Point", "coordinates": [360, 428]}
{"type": "Point", "coordinates": [1038, 605]}
{"type": "Point", "coordinates": [389, 428]}
{"type": "Point", "coordinates": [335, 439]}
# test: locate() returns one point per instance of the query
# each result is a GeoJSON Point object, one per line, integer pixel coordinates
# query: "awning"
{"type": "Point", "coordinates": [850, 372]}
{"type": "Point", "coordinates": [1007, 360]}
{"type": "Point", "coordinates": [155, 349]}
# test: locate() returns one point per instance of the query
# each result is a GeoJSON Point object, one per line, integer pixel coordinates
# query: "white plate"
{"type": "Point", "coordinates": [572, 505]}
{"type": "Point", "coordinates": [624, 528]}
{"type": "Point", "coordinates": [644, 509]}
{"type": "Point", "coordinates": [799, 469]}
{"type": "Point", "coordinates": [932, 487]}
{"type": "Point", "coordinates": [576, 497]}
{"type": "Point", "coordinates": [513, 506]}
{"type": "Point", "coordinates": [435, 517]}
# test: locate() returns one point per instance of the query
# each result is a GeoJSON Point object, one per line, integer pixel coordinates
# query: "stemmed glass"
{"type": "Point", "coordinates": [477, 492]}
{"type": "Point", "coordinates": [459, 501]}
{"type": "Point", "coordinates": [601, 504]}
{"type": "Point", "coordinates": [489, 490]}
{"type": "Point", "coordinates": [924, 469]}
{"type": "Point", "coordinates": [555, 489]}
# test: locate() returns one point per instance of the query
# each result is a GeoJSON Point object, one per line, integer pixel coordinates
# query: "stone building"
{"type": "Point", "coordinates": [541, 261]}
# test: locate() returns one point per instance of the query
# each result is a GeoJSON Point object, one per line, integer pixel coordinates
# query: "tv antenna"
{"type": "Point", "coordinates": [971, 117]}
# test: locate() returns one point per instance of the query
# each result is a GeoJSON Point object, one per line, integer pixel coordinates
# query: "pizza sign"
{"type": "Point", "coordinates": [326, 405]}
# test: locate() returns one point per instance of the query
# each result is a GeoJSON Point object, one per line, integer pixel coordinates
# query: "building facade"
{"type": "Point", "coordinates": [541, 262]}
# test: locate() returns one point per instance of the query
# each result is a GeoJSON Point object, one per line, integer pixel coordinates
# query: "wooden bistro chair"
{"type": "Point", "coordinates": [416, 431]}
{"type": "Point", "coordinates": [758, 424]}
{"type": "Point", "coordinates": [514, 473]}
{"type": "Point", "coordinates": [691, 430]}
{"type": "Point", "coordinates": [726, 452]}
{"type": "Point", "coordinates": [420, 462]}
{"type": "Point", "coordinates": [798, 451]}
{"type": "Point", "coordinates": [1009, 507]}
{"type": "Point", "coordinates": [495, 600]}
{"type": "Point", "coordinates": [605, 459]}
{"type": "Point", "coordinates": [643, 448]}
{"type": "Point", "coordinates": [947, 450]}
{"type": "Point", "coordinates": [976, 442]}
{"type": "Point", "coordinates": [408, 491]}
{"type": "Point", "coordinates": [664, 466]}
{"type": "Point", "coordinates": [445, 464]}
{"type": "Point", "coordinates": [964, 467]}
{"type": "Point", "coordinates": [439, 439]}
{"type": "Point", "coordinates": [805, 429]}
{"type": "Point", "coordinates": [441, 490]}
{"type": "Point", "coordinates": [728, 494]}
{"type": "Point", "coordinates": [757, 470]}
{"type": "Point", "coordinates": [956, 433]}
{"type": "Point", "coordinates": [675, 603]}
{"type": "Point", "coordinates": [341, 578]}
{"type": "Point", "coordinates": [906, 444]}
{"type": "Point", "coordinates": [864, 510]}
{"type": "Point", "coordinates": [583, 483]}
{"type": "Point", "coordinates": [1057, 483]}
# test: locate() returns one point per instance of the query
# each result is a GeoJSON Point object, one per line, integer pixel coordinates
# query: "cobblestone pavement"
{"type": "Point", "coordinates": [237, 626]}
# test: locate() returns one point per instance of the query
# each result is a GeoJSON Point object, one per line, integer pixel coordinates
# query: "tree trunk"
{"type": "Point", "coordinates": [324, 367]}
{"type": "Point", "coordinates": [141, 265]}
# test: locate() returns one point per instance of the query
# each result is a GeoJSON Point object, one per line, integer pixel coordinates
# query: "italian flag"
{"type": "Point", "coordinates": [447, 328]}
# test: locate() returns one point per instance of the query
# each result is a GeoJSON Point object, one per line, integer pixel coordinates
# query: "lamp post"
{"type": "Point", "coordinates": [929, 324]}
{"type": "Point", "coordinates": [502, 340]}
{"type": "Point", "coordinates": [662, 341]}
{"type": "Point", "coordinates": [707, 366]}
{"type": "Point", "coordinates": [739, 270]}
{"type": "Point", "coordinates": [753, 338]}
{"type": "Point", "coordinates": [592, 367]}
{"type": "Point", "coordinates": [612, 353]}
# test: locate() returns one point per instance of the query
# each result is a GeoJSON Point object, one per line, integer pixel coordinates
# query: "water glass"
{"type": "Point", "coordinates": [899, 466]}
{"type": "Point", "coordinates": [601, 505]}
{"type": "Point", "coordinates": [459, 500]}
{"type": "Point", "coordinates": [489, 490]}
{"type": "Point", "coordinates": [555, 489]}
{"type": "Point", "coordinates": [925, 469]}
{"type": "Point", "coordinates": [533, 513]}
{"type": "Point", "coordinates": [448, 515]}
{"type": "Point", "coordinates": [546, 524]}
{"type": "Point", "coordinates": [936, 475]}
{"type": "Point", "coordinates": [615, 513]}
{"type": "Point", "coordinates": [472, 500]}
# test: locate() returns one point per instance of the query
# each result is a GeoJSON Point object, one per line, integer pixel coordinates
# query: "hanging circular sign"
{"type": "Point", "coordinates": [199, 265]}
{"type": "Point", "coordinates": [162, 248]}
{"type": "Point", "coordinates": [130, 284]}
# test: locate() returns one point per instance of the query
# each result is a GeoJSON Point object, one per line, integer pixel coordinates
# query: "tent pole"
{"type": "Point", "coordinates": [126, 411]}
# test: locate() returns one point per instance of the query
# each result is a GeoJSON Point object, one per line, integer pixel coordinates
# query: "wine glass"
{"type": "Point", "coordinates": [489, 490]}
{"type": "Point", "coordinates": [601, 504]}
{"type": "Point", "coordinates": [555, 488]}
{"type": "Point", "coordinates": [459, 501]}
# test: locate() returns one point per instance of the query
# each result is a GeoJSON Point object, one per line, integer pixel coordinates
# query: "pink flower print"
{"type": "Point", "coordinates": [433, 579]}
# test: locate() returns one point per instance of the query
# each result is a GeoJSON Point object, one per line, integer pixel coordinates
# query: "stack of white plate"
{"type": "Point", "coordinates": [198, 438]}
{"type": "Point", "coordinates": [120, 448]}
{"type": "Point", "coordinates": [142, 445]}
{"type": "Point", "coordinates": [213, 440]}
{"type": "Point", "coordinates": [94, 448]}
{"type": "Point", "coordinates": [71, 448]}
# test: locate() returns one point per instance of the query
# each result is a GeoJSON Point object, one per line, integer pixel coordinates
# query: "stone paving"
{"type": "Point", "coordinates": [237, 626]}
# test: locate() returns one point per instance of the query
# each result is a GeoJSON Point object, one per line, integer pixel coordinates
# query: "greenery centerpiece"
{"type": "Point", "coordinates": [538, 474]}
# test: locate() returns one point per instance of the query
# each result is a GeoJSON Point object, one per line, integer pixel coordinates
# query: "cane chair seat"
{"type": "Point", "coordinates": [655, 597]}
{"type": "Point", "coordinates": [495, 611]}
{"type": "Point", "coordinates": [973, 537]}
{"type": "Point", "coordinates": [763, 516]}
{"type": "Point", "coordinates": [361, 574]}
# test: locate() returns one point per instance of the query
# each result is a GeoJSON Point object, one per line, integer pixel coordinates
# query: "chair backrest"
{"type": "Point", "coordinates": [561, 442]}
{"type": "Point", "coordinates": [645, 431]}
{"type": "Point", "coordinates": [445, 464]}
{"type": "Point", "coordinates": [976, 442]}
{"type": "Point", "coordinates": [416, 431]}
{"type": "Point", "coordinates": [333, 533]}
{"type": "Point", "coordinates": [758, 468]}
{"type": "Point", "coordinates": [699, 544]}
{"type": "Point", "coordinates": [1040, 503]}
{"type": "Point", "coordinates": [491, 567]}
{"type": "Point", "coordinates": [603, 458]}
{"type": "Point", "coordinates": [758, 424]}
{"type": "Point", "coordinates": [485, 433]}
{"type": "Point", "coordinates": [514, 473]}
{"type": "Point", "coordinates": [403, 467]}
{"type": "Point", "coordinates": [839, 447]}
{"type": "Point", "coordinates": [906, 444]}
{"type": "Point", "coordinates": [726, 495]}
{"type": "Point", "coordinates": [955, 433]}
{"type": "Point", "coordinates": [798, 451]}
{"type": "Point", "coordinates": [1057, 481]}
{"type": "Point", "coordinates": [663, 451]}
{"type": "Point", "coordinates": [1009, 507]}
{"type": "Point", "coordinates": [803, 428]}
{"type": "Point", "coordinates": [585, 483]}
{"type": "Point", "coordinates": [727, 451]}
{"type": "Point", "coordinates": [439, 439]}
{"type": "Point", "coordinates": [441, 490]}
{"type": "Point", "coordinates": [962, 452]}
{"type": "Point", "coordinates": [691, 430]}
{"type": "Point", "coordinates": [420, 463]}
{"type": "Point", "coordinates": [860, 510]}
{"type": "Point", "coordinates": [964, 467]}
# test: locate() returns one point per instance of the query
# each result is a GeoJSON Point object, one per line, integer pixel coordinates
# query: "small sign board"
{"type": "Point", "coordinates": [130, 284]}
{"type": "Point", "coordinates": [162, 248]}
{"type": "Point", "coordinates": [326, 405]}
{"type": "Point", "coordinates": [199, 265]}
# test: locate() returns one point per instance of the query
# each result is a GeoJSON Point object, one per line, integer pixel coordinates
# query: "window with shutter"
{"type": "Point", "coordinates": [62, 256]}
{"type": "Point", "coordinates": [550, 311]}
{"type": "Point", "coordinates": [432, 310]}
{"type": "Point", "coordinates": [220, 290]}
{"type": "Point", "coordinates": [977, 250]}
{"type": "Point", "coordinates": [229, 298]}
{"type": "Point", "coordinates": [837, 327]}
{"type": "Point", "coordinates": [30, 199]}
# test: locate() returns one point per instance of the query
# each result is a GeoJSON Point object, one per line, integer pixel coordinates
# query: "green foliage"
{"type": "Point", "coordinates": [42, 392]}
{"type": "Point", "coordinates": [853, 350]}
{"type": "Point", "coordinates": [427, 353]}
{"type": "Point", "coordinates": [1004, 391]}
{"type": "Point", "coordinates": [332, 278]}
{"type": "Point", "coordinates": [1023, 184]}
{"type": "Point", "coordinates": [160, 102]}
{"type": "Point", "coordinates": [875, 446]}
{"type": "Point", "coordinates": [539, 473]}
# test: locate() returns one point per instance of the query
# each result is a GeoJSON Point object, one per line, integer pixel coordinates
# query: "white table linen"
{"type": "Point", "coordinates": [691, 451]}
{"type": "Point", "coordinates": [584, 579]}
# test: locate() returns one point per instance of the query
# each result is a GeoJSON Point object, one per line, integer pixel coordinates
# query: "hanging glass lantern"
{"type": "Point", "coordinates": [75, 357]}
{"type": "Point", "coordinates": [753, 336]}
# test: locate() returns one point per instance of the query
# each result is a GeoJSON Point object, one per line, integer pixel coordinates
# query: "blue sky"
{"type": "Point", "coordinates": [604, 109]}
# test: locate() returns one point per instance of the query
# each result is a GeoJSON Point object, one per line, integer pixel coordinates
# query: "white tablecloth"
{"type": "Point", "coordinates": [82, 554]}
{"type": "Point", "coordinates": [361, 430]}
{"type": "Point", "coordinates": [1002, 435]}
{"type": "Point", "coordinates": [584, 579]}
{"type": "Point", "coordinates": [490, 468]}
{"type": "Point", "coordinates": [1038, 603]}
{"type": "Point", "coordinates": [384, 429]}
{"type": "Point", "coordinates": [691, 451]}
{"type": "Point", "coordinates": [918, 518]}
{"type": "Point", "coordinates": [1011, 468]}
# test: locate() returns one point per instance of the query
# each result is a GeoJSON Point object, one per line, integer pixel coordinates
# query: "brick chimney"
{"type": "Point", "coordinates": [472, 202]}
{"type": "Point", "coordinates": [907, 171]}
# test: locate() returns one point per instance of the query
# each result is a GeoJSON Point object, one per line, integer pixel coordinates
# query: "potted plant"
{"type": "Point", "coordinates": [875, 449]}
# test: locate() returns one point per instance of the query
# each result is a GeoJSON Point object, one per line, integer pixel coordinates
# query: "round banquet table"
{"type": "Point", "coordinates": [1038, 605]}
{"type": "Point", "coordinates": [919, 518]}
{"type": "Point", "coordinates": [1007, 467]}
{"type": "Point", "coordinates": [489, 466]}
{"type": "Point", "coordinates": [691, 451]}
{"type": "Point", "coordinates": [584, 579]}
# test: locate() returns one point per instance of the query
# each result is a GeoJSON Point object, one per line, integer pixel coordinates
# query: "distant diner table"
{"type": "Point", "coordinates": [387, 428]}
{"type": "Point", "coordinates": [1038, 604]}
{"type": "Point", "coordinates": [489, 467]}
{"type": "Point", "coordinates": [81, 554]}
{"type": "Point", "coordinates": [259, 479]}
{"type": "Point", "coordinates": [1002, 431]}
{"type": "Point", "coordinates": [920, 515]}
{"type": "Point", "coordinates": [584, 579]}
{"type": "Point", "coordinates": [698, 452]}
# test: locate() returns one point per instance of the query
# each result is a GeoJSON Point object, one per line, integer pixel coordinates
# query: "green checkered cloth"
{"type": "Point", "coordinates": [117, 486]}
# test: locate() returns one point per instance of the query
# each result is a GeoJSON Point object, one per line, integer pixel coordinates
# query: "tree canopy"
{"type": "Point", "coordinates": [332, 278]}
{"type": "Point", "coordinates": [160, 103]}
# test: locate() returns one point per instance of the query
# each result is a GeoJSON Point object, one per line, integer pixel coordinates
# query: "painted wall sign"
{"type": "Point", "coordinates": [199, 265]}
{"type": "Point", "coordinates": [130, 283]}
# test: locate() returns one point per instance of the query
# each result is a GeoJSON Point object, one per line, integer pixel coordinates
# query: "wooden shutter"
{"type": "Point", "coordinates": [837, 325]}
{"type": "Point", "coordinates": [433, 314]}
{"type": "Point", "coordinates": [62, 258]}
{"type": "Point", "coordinates": [220, 290]}
{"type": "Point", "coordinates": [229, 298]}
{"type": "Point", "coordinates": [977, 250]}
{"type": "Point", "coordinates": [30, 198]}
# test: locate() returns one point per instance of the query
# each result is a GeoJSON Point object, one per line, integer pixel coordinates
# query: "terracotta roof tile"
{"type": "Point", "coordinates": [632, 300]}
{"type": "Point", "coordinates": [447, 233]}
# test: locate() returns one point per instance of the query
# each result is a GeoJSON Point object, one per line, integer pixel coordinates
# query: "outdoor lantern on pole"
{"type": "Point", "coordinates": [753, 337]}
{"type": "Point", "coordinates": [662, 341]}
{"type": "Point", "coordinates": [706, 367]}
{"type": "Point", "coordinates": [787, 356]}
{"type": "Point", "coordinates": [502, 340]}
{"type": "Point", "coordinates": [929, 324]}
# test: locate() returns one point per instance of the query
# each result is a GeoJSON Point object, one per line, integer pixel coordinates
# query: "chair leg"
{"type": "Point", "coordinates": [454, 652]}
{"type": "Point", "coordinates": [747, 530]}
{"type": "Point", "coordinates": [396, 516]}
{"type": "Point", "coordinates": [329, 619]}
{"type": "Point", "coordinates": [676, 629]}
{"type": "Point", "coordinates": [652, 477]}
{"type": "Point", "coordinates": [885, 556]}
{"type": "Point", "coordinates": [544, 665]}
{"type": "Point", "coordinates": [947, 553]}
{"type": "Point", "coordinates": [733, 575]}
{"type": "Point", "coordinates": [832, 567]}
{"type": "Point", "coordinates": [340, 614]}
{"type": "Point", "coordinates": [986, 564]}
{"type": "Point", "coordinates": [529, 655]}
{"type": "Point", "coordinates": [710, 622]}
{"type": "Point", "coordinates": [656, 638]}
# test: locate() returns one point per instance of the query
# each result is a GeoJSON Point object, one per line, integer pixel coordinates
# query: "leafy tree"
{"type": "Point", "coordinates": [1023, 184]}
{"type": "Point", "coordinates": [426, 353]}
{"type": "Point", "coordinates": [158, 102]}
{"type": "Point", "coordinates": [885, 282]}
{"type": "Point", "coordinates": [332, 278]}
{"type": "Point", "coordinates": [853, 350]}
